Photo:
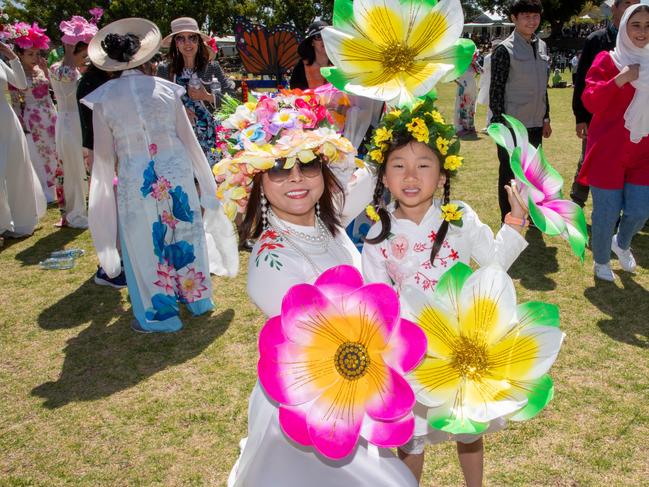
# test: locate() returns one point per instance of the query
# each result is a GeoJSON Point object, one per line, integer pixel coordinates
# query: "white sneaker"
{"type": "Point", "coordinates": [627, 262]}
{"type": "Point", "coordinates": [604, 272]}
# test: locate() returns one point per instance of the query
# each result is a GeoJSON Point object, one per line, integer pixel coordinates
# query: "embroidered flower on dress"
{"type": "Point", "coordinates": [166, 278]}
{"type": "Point", "coordinates": [169, 219]}
{"type": "Point", "coordinates": [160, 188]}
{"type": "Point", "coordinates": [399, 246]}
{"type": "Point", "coordinates": [191, 284]}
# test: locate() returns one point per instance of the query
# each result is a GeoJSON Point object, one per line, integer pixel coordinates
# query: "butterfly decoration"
{"type": "Point", "coordinates": [540, 186]}
{"type": "Point", "coordinates": [266, 51]}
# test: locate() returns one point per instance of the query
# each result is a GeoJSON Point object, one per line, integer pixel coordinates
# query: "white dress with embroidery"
{"type": "Point", "coordinates": [22, 201]}
{"type": "Point", "coordinates": [268, 457]}
{"type": "Point", "coordinates": [404, 259]}
{"type": "Point", "coordinates": [140, 123]}
{"type": "Point", "coordinates": [65, 80]}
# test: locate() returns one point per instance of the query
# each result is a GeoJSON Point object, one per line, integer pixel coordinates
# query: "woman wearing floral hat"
{"type": "Point", "coordinates": [141, 128]}
{"type": "Point", "coordinates": [64, 76]}
{"type": "Point", "coordinates": [191, 64]}
{"type": "Point", "coordinates": [35, 105]}
{"type": "Point", "coordinates": [281, 180]}
{"type": "Point", "coordinates": [21, 200]}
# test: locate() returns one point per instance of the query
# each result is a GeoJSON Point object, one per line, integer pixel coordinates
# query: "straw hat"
{"type": "Point", "coordinates": [184, 24]}
{"type": "Point", "coordinates": [145, 30]}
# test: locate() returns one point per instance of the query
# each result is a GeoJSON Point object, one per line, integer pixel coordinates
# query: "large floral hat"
{"type": "Point", "coordinates": [30, 37]}
{"type": "Point", "coordinates": [290, 126]}
{"type": "Point", "coordinates": [423, 123]}
{"type": "Point", "coordinates": [396, 50]}
{"type": "Point", "coordinates": [77, 29]}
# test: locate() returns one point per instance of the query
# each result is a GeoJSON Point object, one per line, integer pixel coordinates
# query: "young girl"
{"type": "Point", "coordinates": [419, 237]}
{"type": "Point", "coordinates": [616, 166]}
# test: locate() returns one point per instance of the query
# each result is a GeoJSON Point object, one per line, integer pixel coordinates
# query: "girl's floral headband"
{"type": "Point", "coordinates": [290, 126]}
{"type": "Point", "coordinates": [423, 123]}
{"type": "Point", "coordinates": [30, 37]}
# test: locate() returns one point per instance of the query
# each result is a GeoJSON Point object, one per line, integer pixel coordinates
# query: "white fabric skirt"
{"type": "Point", "coordinates": [269, 458]}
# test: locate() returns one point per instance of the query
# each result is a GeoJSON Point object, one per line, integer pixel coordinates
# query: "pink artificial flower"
{"type": "Point", "coordinates": [169, 219]}
{"type": "Point", "coordinates": [160, 188]}
{"type": "Point", "coordinates": [77, 29]}
{"type": "Point", "coordinates": [212, 45]}
{"type": "Point", "coordinates": [97, 13]}
{"type": "Point", "coordinates": [166, 277]}
{"type": "Point", "coordinates": [191, 284]}
{"type": "Point", "coordinates": [334, 360]}
{"type": "Point", "coordinates": [265, 109]}
{"type": "Point", "coordinates": [153, 150]}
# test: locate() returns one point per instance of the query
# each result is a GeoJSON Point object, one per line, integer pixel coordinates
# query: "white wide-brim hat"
{"type": "Point", "coordinates": [183, 24]}
{"type": "Point", "coordinates": [145, 30]}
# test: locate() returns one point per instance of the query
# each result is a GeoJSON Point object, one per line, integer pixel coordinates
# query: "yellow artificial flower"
{"type": "Point", "coordinates": [442, 145]}
{"type": "Point", "coordinates": [377, 155]}
{"type": "Point", "coordinates": [419, 130]}
{"type": "Point", "coordinates": [393, 115]}
{"type": "Point", "coordinates": [306, 156]}
{"type": "Point", "coordinates": [451, 212]}
{"type": "Point", "coordinates": [382, 135]}
{"type": "Point", "coordinates": [371, 213]}
{"type": "Point", "coordinates": [453, 163]}
{"type": "Point", "coordinates": [436, 116]}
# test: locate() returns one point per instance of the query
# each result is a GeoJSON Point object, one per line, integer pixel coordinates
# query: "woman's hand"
{"type": "Point", "coordinates": [6, 51]}
{"type": "Point", "coordinates": [628, 74]}
{"type": "Point", "coordinates": [200, 94]}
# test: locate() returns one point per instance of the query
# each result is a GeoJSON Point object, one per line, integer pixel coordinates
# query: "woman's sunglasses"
{"type": "Point", "coordinates": [279, 174]}
{"type": "Point", "coordinates": [182, 39]}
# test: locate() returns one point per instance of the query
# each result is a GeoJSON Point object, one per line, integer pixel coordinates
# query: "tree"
{"type": "Point", "coordinates": [555, 12]}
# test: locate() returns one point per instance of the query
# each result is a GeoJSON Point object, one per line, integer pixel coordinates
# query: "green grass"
{"type": "Point", "coordinates": [84, 401]}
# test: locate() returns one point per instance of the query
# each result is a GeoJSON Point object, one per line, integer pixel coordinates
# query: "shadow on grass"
{"type": "Point", "coordinates": [41, 248]}
{"type": "Point", "coordinates": [628, 309]}
{"type": "Point", "coordinates": [104, 359]}
{"type": "Point", "coordinates": [535, 263]}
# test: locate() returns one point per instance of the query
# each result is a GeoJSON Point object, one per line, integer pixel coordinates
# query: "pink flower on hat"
{"type": "Point", "coordinates": [33, 37]}
{"type": "Point", "coordinates": [77, 29]}
{"type": "Point", "coordinates": [97, 13]}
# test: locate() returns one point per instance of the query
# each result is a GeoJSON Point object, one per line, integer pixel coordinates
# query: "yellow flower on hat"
{"type": "Point", "coordinates": [436, 116]}
{"type": "Point", "coordinates": [442, 145]}
{"type": "Point", "coordinates": [377, 155]}
{"type": "Point", "coordinates": [382, 135]}
{"type": "Point", "coordinates": [418, 129]}
{"type": "Point", "coordinates": [453, 163]}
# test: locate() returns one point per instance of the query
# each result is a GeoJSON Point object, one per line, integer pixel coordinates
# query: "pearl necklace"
{"type": "Point", "coordinates": [322, 237]}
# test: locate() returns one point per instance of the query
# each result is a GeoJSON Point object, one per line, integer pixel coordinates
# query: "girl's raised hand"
{"type": "Point", "coordinates": [518, 207]}
{"type": "Point", "coordinates": [628, 74]}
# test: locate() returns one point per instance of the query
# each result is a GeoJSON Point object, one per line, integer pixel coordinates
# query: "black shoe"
{"type": "Point", "coordinates": [102, 279]}
{"type": "Point", "coordinates": [135, 326]}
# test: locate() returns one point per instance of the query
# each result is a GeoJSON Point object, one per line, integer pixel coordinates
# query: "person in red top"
{"type": "Point", "coordinates": [617, 156]}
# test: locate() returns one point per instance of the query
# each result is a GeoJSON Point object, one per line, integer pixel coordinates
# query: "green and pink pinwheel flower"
{"type": "Point", "coordinates": [334, 360]}
{"type": "Point", "coordinates": [540, 186]}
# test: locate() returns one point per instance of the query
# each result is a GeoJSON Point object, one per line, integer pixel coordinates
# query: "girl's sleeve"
{"type": "Point", "coordinates": [358, 194]}
{"type": "Point", "coordinates": [373, 265]}
{"type": "Point", "coordinates": [503, 250]}
{"type": "Point", "coordinates": [601, 89]}
{"type": "Point", "coordinates": [102, 208]}
{"type": "Point", "coordinates": [16, 74]}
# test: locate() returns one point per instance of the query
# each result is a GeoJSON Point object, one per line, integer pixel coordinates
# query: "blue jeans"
{"type": "Point", "coordinates": [633, 202]}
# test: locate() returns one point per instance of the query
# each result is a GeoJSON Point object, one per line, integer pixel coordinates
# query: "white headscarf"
{"type": "Point", "coordinates": [636, 118]}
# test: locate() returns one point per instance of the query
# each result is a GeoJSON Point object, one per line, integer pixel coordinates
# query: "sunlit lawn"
{"type": "Point", "coordinates": [85, 401]}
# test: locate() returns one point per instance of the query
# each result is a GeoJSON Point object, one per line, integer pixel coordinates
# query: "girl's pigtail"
{"type": "Point", "coordinates": [377, 202]}
{"type": "Point", "coordinates": [443, 228]}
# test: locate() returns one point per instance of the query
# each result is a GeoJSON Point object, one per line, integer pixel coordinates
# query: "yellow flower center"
{"type": "Point", "coordinates": [352, 360]}
{"type": "Point", "coordinates": [470, 358]}
{"type": "Point", "coordinates": [398, 57]}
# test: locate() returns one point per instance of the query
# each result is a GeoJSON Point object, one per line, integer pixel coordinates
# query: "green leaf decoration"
{"type": "Point", "coordinates": [541, 392]}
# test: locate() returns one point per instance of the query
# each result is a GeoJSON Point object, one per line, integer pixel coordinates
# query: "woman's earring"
{"type": "Point", "coordinates": [317, 209]}
{"type": "Point", "coordinates": [264, 210]}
